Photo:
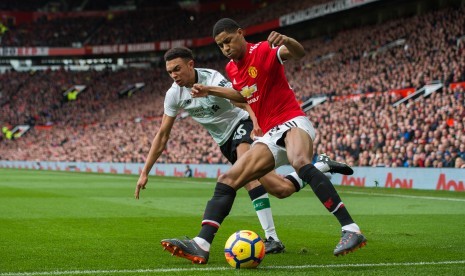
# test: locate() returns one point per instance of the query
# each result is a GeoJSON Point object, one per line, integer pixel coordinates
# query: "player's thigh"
{"type": "Point", "coordinates": [299, 147]}
{"type": "Point", "coordinates": [273, 180]}
{"type": "Point", "coordinates": [242, 148]}
{"type": "Point", "coordinates": [255, 163]}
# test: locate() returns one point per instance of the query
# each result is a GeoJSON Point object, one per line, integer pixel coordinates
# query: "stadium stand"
{"type": "Point", "coordinates": [356, 69]}
{"type": "Point", "coordinates": [131, 26]}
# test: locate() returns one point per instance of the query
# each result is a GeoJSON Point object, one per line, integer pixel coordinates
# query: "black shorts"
{"type": "Point", "coordinates": [240, 135]}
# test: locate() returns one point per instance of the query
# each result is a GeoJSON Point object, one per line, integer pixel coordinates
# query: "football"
{"type": "Point", "coordinates": [244, 249]}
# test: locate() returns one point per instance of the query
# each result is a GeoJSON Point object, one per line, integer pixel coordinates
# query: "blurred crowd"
{"type": "Point", "coordinates": [100, 126]}
{"type": "Point", "coordinates": [372, 132]}
{"type": "Point", "coordinates": [431, 47]}
{"type": "Point", "coordinates": [152, 21]}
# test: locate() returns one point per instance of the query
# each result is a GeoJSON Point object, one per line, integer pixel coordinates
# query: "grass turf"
{"type": "Point", "coordinates": [89, 224]}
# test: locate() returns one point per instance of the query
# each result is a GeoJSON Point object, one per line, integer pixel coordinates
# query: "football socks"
{"type": "Point", "coordinates": [296, 180]}
{"type": "Point", "coordinates": [217, 209]}
{"type": "Point", "coordinates": [261, 204]}
{"type": "Point", "coordinates": [326, 193]}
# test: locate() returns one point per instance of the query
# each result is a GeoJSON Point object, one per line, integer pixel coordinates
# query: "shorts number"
{"type": "Point", "coordinates": [240, 130]}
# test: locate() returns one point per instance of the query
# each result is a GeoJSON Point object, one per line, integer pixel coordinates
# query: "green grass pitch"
{"type": "Point", "coordinates": [59, 223]}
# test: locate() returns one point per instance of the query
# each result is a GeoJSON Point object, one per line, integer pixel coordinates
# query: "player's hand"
{"type": "Point", "coordinates": [140, 185]}
{"type": "Point", "coordinates": [256, 132]}
{"type": "Point", "coordinates": [277, 39]}
{"type": "Point", "coordinates": [199, 90]}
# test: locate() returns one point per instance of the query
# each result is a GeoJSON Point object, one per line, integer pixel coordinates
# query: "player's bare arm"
{"type": "Point", "coordinates": [200, 90]}
{"type": "Point", "coordinates": [257, 131]}
{"type": "Point", "coordinates": [158, 144]}
{"type": "Point", "coordinates": [292, 48]}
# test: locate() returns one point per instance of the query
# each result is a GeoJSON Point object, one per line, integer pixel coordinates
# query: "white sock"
{"type": "Point", "coordinates": [322, 167]}
{"type": "Point", "coordinates": [298, 179]}
{"type": "Point", "coordinates": [353, 227]}
{"type": "Point", "coordinates": [265, 216]}
{"type": "Point", "coordinates": [328, 175]}
{"type": "Point", "coordinates": [202, 243]}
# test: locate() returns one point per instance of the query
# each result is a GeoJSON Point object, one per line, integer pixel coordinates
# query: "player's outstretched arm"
{"type": "Point", "coordinates": [292, 50]}
{"type": "Point", "coordinates": [158, 144]}
{"type": "Point", "coordinates": [200, 90]}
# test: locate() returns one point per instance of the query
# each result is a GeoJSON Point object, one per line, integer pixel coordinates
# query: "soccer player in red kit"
{"type": "Point", "coordinates": [259, 76]}
{"type": "Point", "coordinates": [256, 71]}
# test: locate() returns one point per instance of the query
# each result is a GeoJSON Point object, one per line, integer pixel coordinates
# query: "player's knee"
{"type": "Point", "coordinates": [224, 178]}
{"type": "Point", "coordinates": [299, 161]}
{"type": "Point", "coordinates": [227, 179]}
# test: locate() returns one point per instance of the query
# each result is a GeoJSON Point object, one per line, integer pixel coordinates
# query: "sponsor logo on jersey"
{"type": "Point", "coordinates": [247, 91]}
{"type": "Point", "coordinates": [215, 107]}
{"type": "Point", "coordinates": [253, 100]}
{"type": "Point", "coordinates": [200, 112]}
{"type": "Point", "coordinates": [252, 72]}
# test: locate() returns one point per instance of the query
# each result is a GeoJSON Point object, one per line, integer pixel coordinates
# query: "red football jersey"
{"type": "Point", "coordinates": [260, 78]}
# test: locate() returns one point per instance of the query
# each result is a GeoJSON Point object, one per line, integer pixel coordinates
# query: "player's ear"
{"type": "Point", "coordinates": [190, 63]}
{"type": "Point", "coordinates": [241, 31]}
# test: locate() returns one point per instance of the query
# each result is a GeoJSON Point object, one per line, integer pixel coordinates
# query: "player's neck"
{"type": "Point", "coordinates": [241, 58]}
{"type": "Point", "coordinates": [193, 80]}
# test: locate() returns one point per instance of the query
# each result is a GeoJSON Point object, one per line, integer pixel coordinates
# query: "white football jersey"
{"type": "Point", "coordinates": [218, 115]}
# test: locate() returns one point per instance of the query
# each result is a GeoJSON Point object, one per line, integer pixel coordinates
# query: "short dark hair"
{"type": "Point", "coordinates": [225, 25]}
{"type": "Point", "coordinates": [178, 52]}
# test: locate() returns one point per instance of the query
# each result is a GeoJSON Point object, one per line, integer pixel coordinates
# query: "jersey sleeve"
{"type": "Point", "coordinates": [171, 105]}
{"type": "Point", "coordinates": [269, 54]}
{"type": "Point", "coordinates": [219, 80]}
{"type": "Point", "coordinates": [278, 55]}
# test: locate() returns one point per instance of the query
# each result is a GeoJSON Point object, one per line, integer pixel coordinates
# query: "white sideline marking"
{"type": "Point", "coordinates": [408, 196]}
{"type": "Point", "coordinates": [264, 268]}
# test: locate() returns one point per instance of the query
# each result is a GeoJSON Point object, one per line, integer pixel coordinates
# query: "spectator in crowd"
{"type": "Point", "coordinates": [188, 171]}
{"type": "Point", "coordinates": [459, 163]}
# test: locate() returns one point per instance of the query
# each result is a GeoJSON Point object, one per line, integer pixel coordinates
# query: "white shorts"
{"type": "Point", "coordinates": [272, 138]}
